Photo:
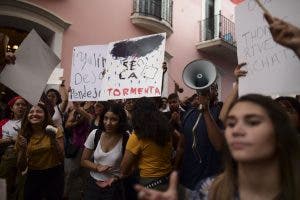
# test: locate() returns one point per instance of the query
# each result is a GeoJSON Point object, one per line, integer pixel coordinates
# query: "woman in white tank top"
{"type": "Point", "coordinates": [107, 155]}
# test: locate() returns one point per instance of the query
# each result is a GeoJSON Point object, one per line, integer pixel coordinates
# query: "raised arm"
{"type": "Point", "coordinates": [64, 96]}
{"type": "Point", "coordinates": [233, 95]}
{"type": "Point", "coordinates": [284, 33]}
{"type": "Point", "coordinates": [5, 57]}
{"type": "Point", "coordinates": [214, 132]}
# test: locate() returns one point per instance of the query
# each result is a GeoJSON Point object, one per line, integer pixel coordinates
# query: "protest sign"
{"type": "Point", "coordinates": [124, 69]}
{"type": "Point", "coordinates": [88, 71]}
{"type": "Point", "coordinates": [134, 67]}
{"type": "Point", "coordinates": [55, 79]}
{"type": "Point", "coordinates": [272, 68]}
{"type": "Point", "coordinates": [34, 64]}
{"type": "Point", "coordinates": [56, 76]}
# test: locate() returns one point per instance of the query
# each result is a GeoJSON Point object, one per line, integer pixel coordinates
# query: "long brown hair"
{"type": "Point", "coordinates": [26, 127]}
{"type": "Point", "coordinates": [225, 185]}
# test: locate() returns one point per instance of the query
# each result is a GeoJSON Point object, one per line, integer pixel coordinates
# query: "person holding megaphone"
{"type": "Point", "coordinates": [201, 128]}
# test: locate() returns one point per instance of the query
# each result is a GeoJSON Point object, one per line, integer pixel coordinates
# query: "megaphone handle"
{"type": "Point", "coordinates": [194, 145]}
{"type": "Point", "coordinates": [200, 108]}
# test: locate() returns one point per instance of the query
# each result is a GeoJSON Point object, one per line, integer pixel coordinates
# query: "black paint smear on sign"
{"type": "Point", "coordinates": [139, 48]}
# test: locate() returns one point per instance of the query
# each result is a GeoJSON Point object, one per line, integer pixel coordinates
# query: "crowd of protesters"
{"type": "Point", "coordinates": [102, 150]}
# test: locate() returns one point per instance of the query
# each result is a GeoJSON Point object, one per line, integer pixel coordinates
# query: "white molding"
{"type": "Point", "coordinates": [21, 8]}
{"type": "Point", "coordinates": [151, 23]}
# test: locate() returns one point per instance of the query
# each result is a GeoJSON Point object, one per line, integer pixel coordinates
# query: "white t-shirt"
{"type": "Point", "coordinates": [112, 158]}
{"type": "Point", "coordinates": [57, 118]}
{"type": "Point", "coordinates": [10, 129]}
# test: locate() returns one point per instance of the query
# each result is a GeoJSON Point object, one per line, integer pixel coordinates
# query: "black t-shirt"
{"type": "Point", "coordinates": [204, 160]}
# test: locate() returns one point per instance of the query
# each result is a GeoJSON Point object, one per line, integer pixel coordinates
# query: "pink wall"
{"type": "Point", "coordinates": [182, 43]}
{"type": "Point", "coordinates": [93, 22]}
{"type": "Point", "coordinates": [227, 8]}
{"type": "Point", "coordinates": [100, 22]}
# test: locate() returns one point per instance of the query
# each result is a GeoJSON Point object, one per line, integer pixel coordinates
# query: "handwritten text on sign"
{"type": "Point", "coordinates": [135, 67]}
{"type": "Point", "coordinates": [272, 69]}
{"type": "Point", "coordinates": [88, 71]}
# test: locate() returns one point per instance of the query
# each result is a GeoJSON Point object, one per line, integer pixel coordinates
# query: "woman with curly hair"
{"type": "Point", "coordinates": [40, 149]}
{"type": "Point", "coordinates": [150, 146]}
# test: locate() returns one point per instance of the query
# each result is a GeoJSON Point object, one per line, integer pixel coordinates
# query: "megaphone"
{"type": "Point", "coordinates": [199, 75]}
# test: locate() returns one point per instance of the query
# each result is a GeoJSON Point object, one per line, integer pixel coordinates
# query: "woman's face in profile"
{"type": "Point", "coordinates": [250, 133]}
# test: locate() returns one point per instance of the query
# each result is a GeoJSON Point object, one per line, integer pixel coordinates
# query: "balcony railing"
{"type": "Point", "coordinates": [154, 8]}
{"type": "Point", "coordinates": [217, 27]}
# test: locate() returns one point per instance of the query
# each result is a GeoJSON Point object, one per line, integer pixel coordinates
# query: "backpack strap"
{"type": "Point", "coordinates": [124, 140]}
{"type": "Point", "coordinates": [97, 137]}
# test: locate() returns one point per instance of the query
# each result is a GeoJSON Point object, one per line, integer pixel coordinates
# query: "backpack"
{"type": "Point", "coordinates": [124, 140]}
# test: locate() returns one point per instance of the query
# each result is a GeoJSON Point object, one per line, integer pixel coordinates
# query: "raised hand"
{"type": "Point", "coordinates": [284, 33]}
{"type": "Point", "coordinates": [106, 183]}
{"type": "Point", "coordinates": [238, 72]}
{"type": "Point", "coordinates": [149, 194]}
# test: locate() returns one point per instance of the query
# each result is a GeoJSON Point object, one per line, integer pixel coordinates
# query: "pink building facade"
{"type": "Point", "coordinates": [196, 29]}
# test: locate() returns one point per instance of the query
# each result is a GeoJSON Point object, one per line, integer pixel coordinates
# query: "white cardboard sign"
{"type": "Point", "coordinates": [135, 67]}
{"type": "Point", "coordinates": [125, 69]}
{"type": "Point", "coordinates": [35, 62]}
{"type": "Point", "coordinates": [88, 71]}
{"type": "Point", "coordinates": [55, 77]}
{"type": "Point", "coordinates": [272, 68]}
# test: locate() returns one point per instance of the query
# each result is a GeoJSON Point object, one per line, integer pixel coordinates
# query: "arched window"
{"type": "Point", "coordinates": [21, 16]}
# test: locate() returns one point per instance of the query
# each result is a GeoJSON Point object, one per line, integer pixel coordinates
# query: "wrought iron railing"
{"type": "Point", "coordinates": [217, 26]}
{"type": "Point", "coordinates": [154, 8]}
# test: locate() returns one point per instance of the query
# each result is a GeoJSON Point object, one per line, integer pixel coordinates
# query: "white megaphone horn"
{"type": "Point", "coordinates": [199, 75]}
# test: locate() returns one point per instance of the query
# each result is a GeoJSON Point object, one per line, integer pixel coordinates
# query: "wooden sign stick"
{"type": "Point", "coordinates": [262, 7]}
